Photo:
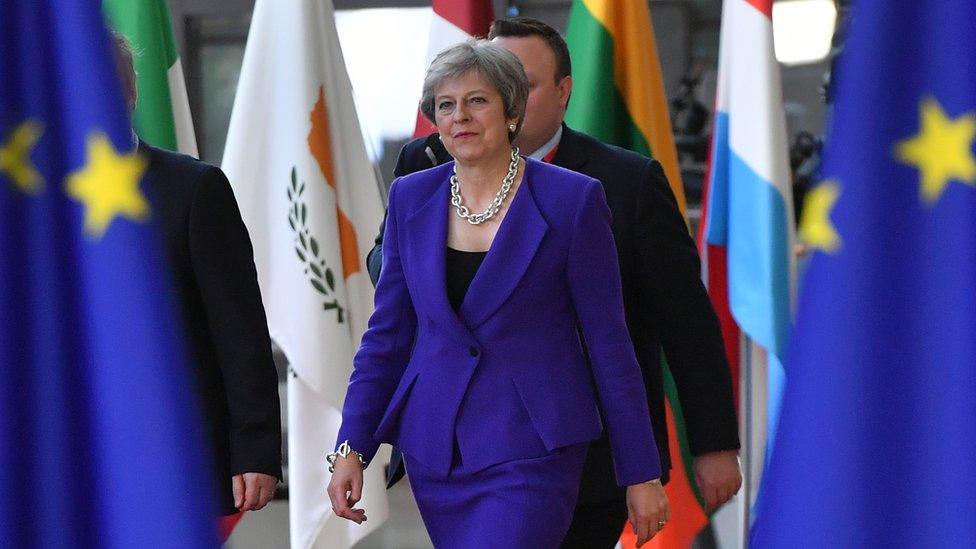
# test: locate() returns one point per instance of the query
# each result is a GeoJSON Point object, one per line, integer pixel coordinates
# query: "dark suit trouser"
{"type": "Point", "coordinates": [596, 526]}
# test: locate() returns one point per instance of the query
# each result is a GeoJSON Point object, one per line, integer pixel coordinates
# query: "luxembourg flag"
{"type": "Point", "coordinates": [747, 235]}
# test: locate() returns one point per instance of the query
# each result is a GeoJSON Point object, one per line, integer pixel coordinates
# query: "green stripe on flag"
{"type": "Point", "coordinates": [597, 106]}
{"type": "Point", "coordinates": [146, 23]}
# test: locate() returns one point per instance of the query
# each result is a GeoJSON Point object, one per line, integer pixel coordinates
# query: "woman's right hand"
{"type": "Point", "coordinates": [648, 509]}
{"type": "Point", "coordinates": [346, 488]}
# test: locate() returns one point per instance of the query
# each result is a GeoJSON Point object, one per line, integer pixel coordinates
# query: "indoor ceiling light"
{"type": "Point", "coordinates": [802, 30]}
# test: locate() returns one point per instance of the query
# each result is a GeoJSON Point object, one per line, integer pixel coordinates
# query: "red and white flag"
{"type": "Point", "coordinates": [454, 21]}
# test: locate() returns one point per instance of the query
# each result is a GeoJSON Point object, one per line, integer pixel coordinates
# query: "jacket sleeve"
{"type": "Point", "coordinates": [374, 259]}
{"type": "Point", "coordinates": [223, 265]}
{"type": "Point", "coordinates": [670, 271]}
{"type": "Point", "coordinates": [385, 349]}
{"type": "Point", "coordinates": [594, 282]}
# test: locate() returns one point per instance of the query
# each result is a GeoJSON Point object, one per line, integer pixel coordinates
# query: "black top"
{"type": "Point", "coordinates": [461, 268]}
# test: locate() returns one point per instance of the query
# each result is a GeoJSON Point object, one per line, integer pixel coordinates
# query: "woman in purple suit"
{"type": "Point", "coordinates": [498, 336]}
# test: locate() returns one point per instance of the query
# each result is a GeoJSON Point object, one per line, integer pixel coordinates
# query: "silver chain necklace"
{"type": "Point", "coordinates": [496, 203]}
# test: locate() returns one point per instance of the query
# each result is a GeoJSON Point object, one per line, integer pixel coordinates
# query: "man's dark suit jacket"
{"type": "Point", "coordinates": [213, 272]}
{"type": "Point", "coordinates": [665, 302]}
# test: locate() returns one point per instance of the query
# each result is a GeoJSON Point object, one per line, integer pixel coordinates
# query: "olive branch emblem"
{"type": "Point", "coordinates": [319, 275]}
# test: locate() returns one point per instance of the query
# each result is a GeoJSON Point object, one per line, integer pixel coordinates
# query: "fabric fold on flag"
{"type": "Point", "coordinates": [310, 198]}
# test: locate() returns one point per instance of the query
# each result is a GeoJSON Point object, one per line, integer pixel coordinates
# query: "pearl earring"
{"type": "Point", "coordinates": [511, 128]}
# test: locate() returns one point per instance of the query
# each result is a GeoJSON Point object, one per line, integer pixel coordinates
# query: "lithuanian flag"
{"type": "Point", "coordinates": [619, 98]}
{"type": "Point", "coordinates": [617, 85]}
{"type": "Point", "coordinates": [162, 116]}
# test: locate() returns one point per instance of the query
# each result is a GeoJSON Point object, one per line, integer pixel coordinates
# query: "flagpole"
{"type": "Point", "coordinates": [745, 412]}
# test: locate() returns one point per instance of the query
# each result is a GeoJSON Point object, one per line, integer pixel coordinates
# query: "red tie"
{"type": "Point", "coordinates": [552, 154]}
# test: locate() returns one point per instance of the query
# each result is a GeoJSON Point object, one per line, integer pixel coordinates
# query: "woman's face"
{"type": "Point", "coordinates": [471, 118]}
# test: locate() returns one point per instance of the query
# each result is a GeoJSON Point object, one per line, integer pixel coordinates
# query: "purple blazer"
{"type": "Point", "coordinates": [506, 374]}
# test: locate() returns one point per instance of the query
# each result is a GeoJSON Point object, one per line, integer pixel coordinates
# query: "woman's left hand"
{"type": "Point", "coordinates": [647, 507]}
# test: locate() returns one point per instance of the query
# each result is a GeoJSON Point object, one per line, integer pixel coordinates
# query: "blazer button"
{"type": "Point", "coordinates": [473, 351]}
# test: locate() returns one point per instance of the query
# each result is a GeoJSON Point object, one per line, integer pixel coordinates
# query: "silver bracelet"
{"type": "Point", "coordinates": [343, 451]}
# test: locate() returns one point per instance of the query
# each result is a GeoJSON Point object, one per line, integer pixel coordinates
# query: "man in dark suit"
{"type": "Point", "coordinates": [213, 272]}
{"type": "Point", "coordinates": [666, 304]}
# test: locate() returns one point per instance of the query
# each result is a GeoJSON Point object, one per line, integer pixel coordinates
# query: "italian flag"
{"type": "Point", "coordinates": [619, 98]}
{"type": "Point", "coordinates": [162, 116]}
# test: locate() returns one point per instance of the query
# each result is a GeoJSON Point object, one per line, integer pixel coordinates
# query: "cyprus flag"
{"type": "Point", "coordinates": [311, 201]}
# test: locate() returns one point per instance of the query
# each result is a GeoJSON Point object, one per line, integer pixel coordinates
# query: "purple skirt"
{"type": "Point", "coordinates": [523, 503]}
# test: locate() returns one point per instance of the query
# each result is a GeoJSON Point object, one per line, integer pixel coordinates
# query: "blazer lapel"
{"type": "Point", "coordinates": [427, 244]}
{"type": "Point", "coordinates": [514, 246]}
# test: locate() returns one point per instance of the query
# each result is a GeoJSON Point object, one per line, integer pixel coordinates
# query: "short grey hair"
{"type": "Point", "coordinates": [498, 66]}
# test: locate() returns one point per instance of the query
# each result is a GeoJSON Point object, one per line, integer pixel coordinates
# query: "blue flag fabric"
{"type": "Point", "coordinates": [100, 432]}
{"type": "Point", "coordinates": [877, 441]}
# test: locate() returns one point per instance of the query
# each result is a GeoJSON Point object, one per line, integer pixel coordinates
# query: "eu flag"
{"type": "Point", "coordinates": [877, 441]}
{"type": "Point", "coordinates": [100, 440]}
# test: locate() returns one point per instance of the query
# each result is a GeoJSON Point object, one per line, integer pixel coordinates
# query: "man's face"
{"type": "Point", "coordinates": [547, 99]}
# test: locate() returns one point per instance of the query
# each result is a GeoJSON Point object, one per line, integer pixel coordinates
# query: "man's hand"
{"type": "Point", "coordinates": [718, 476]}
{"type": "Point", "coordinates": [252, 491]}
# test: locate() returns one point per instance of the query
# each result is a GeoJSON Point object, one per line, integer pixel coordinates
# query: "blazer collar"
{"type": "Point", "coordinates": [505, 264]}
{"type": "Point", "coordinates": [572, 153]}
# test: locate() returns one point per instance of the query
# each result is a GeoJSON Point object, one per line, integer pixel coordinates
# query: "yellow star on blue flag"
{"type": "Point", "coordinates": [942, 150]}
{"type": "Point", "coordinates": [15, 159]}
{"type": "Point", "coordinates": [816, 229]}
{"type": "Point", "coordinates": [108, 185]}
